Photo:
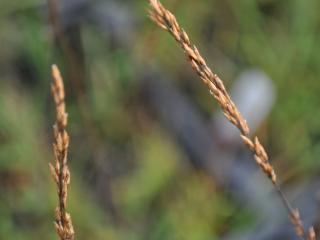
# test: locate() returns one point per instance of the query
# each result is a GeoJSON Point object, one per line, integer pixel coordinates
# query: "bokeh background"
{"type": "Point", "coordinates": [150, 157]}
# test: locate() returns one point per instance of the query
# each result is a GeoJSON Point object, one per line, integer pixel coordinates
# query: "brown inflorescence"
{"type": "Point", "coordinates": [166, 20]}
{"type": "Point", "coordinates": [59, 170]}
{"type": "Point", "coordinates": [311, 234]}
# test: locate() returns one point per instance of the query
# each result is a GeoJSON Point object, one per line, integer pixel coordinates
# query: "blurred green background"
{"type": "Point", "coordinates": [129, 178]}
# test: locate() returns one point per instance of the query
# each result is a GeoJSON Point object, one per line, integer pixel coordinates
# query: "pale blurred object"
{"type": "Point", "coordinates": [254, 94]}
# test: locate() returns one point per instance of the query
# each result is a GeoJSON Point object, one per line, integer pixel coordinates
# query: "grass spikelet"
{"type": "Point", "coordinates": [59, 170]}
{"type": "Point", "coordinates": [166, 20]}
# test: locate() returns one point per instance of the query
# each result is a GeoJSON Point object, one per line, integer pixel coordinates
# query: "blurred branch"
{"type": "Point", "coordinates": [69, 39]}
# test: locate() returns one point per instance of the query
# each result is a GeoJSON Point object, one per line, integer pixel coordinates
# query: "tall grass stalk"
{"type": "Point", "coordinates": [166, 20]}
{"type": "Point", "coordinates": [59, 169]}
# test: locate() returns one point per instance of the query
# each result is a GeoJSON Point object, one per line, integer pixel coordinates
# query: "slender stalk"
{"type": "Point", "coordinates": [59, 170]}
{"type": "Point", "coordinates": [166, 20]}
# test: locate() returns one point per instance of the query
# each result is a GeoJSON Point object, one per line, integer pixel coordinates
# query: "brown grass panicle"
{"type": "Point", "coordinates": [166, 20]}
{"type": "Point", "coordinates": [311, 234]}
{"type": "Point", "coordinates": [59, 170]}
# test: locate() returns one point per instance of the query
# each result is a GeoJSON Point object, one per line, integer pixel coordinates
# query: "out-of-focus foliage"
{"type": "Point", "coordinates": [129, 177]}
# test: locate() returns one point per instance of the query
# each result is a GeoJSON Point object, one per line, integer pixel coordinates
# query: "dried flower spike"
{"type": "Point", "coordinates": [166, 20]}
{"type": "Point", "coordinates": [59, 170]}
{"type": "Point", "coordinates": [312, 234]}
